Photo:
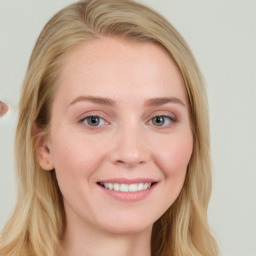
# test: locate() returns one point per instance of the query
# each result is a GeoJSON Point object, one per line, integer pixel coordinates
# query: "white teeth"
{"type": "Point", "coordinates": [133, 187]}
{"type": "Point", "coordinates": [124, 188]}
{"type": "Point", "coordinates": [116, 187]}
{"type": "Point", "coordinates": [127, 188]}
{"type": "Point", "coordinates": [140, 187]}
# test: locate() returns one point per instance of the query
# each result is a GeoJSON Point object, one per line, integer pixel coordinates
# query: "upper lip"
{"type": "Point", "coordinates": [128, 181]}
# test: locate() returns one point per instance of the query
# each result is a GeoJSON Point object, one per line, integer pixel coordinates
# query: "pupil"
{"type": "Point", "coordinates": [159, 120]}
{"type": "Point", "coordinates": [93, 121]}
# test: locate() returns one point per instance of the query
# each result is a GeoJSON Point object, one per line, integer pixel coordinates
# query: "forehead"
{"type": "Point", "coordinates": [110, 67]}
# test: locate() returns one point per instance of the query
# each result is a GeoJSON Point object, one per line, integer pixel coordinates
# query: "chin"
{"type": "Point", "coordinates": [128, 228]}
{"type": "Point", "coordinates": [129, 223]}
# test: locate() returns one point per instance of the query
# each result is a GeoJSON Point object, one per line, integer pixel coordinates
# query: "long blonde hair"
{"type": "Point", "coordinates": [38, 221]}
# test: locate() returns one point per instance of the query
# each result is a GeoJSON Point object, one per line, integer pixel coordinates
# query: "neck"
{"type": "Point", "coordinates": [85, 240]}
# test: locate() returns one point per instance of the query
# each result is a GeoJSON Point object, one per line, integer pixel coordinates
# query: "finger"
{"type": "Point", "coordinates": [4, 108]}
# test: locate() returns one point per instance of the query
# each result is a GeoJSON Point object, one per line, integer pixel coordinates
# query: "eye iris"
{"type": "Point", "coordinates": [93, 120]}
{"type": "Point", "coordinates": [158, 120]}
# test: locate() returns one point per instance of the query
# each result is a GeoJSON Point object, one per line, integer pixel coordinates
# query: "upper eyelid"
{"type": "Point", "coordinates": [172, 119]}
{"type": "Point", "coordinates": [162, 113]}
{"type": "Point", "coordinates": [86, 115]}
{"type": "Point", "coordinates": [83, 116]}
{"type": "Point", "coordinates": [148, 117]}
{"type": "Point", "coordinates": [91, 127]}
{"type": "Point", "coordinates": [146, 114]}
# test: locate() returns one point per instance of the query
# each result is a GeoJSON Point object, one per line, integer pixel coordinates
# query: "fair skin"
{"type": "Point", "coordinates": [120, 118]}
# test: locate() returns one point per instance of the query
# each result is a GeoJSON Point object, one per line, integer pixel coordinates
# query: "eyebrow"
{"type": "Point", "coordinates": [158, 101]}
{"type": "Point", "coordinates": [97, 100]}
{"type": "Point", "coordinates": [163, 100]}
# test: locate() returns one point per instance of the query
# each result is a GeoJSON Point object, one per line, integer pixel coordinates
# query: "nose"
{"type": "Point", "coordinates": [130, 147]}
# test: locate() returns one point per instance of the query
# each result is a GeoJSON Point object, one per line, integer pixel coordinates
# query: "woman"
{"type": "Point", "coordinates": [112, 144]}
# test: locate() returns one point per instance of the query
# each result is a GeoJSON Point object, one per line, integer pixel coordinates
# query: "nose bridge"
{"type": "Point", "coordinates": [130, 146]}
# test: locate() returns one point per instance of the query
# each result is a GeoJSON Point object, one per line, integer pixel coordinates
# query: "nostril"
{"type": "Point", "coordinates": [129, 162]}
{"type": "Point", "coordinates": [128, 153]}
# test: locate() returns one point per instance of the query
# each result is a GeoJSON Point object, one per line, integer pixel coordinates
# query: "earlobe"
{"type": "Point", "coordinates": [44, 153]}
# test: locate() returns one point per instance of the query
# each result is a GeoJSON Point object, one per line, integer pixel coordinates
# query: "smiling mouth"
{"type": "Point", "coordinates": [126, 187]}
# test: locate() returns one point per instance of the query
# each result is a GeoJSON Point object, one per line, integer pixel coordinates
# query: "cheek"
{"type": "Point", "coordinates": [172, 158]}
{"type": "Point", "coordinates": [74, 159]}
{"type": "Point", "coordinates": [175, 156]}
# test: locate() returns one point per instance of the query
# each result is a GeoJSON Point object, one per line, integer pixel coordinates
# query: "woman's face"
{"type": "Point", "coordinates": [120, 138]}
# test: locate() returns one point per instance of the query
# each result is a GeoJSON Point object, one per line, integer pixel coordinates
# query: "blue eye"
{"type": "Point", "coordinates": [93, 121]}
{"type": "Point", "coordinates": [162, 120]}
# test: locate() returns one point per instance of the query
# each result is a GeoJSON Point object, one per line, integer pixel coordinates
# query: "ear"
{"type": "Point", "coordinates": [44, 152]}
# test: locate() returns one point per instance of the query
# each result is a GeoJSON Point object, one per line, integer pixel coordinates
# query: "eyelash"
{"type": "Point", "coordinates": [92, 116]}
{"type": "Point", "coordinates": [172, 119]}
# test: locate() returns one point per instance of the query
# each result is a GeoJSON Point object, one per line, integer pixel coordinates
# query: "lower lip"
{"type": "Point", "coordinates": [128, 196]}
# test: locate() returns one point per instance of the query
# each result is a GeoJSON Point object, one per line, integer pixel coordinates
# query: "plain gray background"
{"type": "Point", "coordinates": [222, 35]}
